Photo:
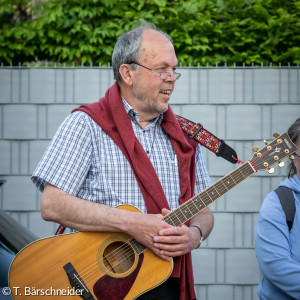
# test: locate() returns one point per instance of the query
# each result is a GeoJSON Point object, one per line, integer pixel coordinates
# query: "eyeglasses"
{"type": "Point", "coordinates": [296, 154]}
{"type": "Point", "coordinates": [162, 75]}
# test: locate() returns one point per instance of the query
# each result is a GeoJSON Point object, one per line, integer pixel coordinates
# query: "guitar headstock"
{"type": "Point", "coordinates": [274, 152]}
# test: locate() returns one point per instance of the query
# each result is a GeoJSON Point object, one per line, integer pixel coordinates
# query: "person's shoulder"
{"type": "Point", "coordinates": [81, 117]}
{"type": "Point", "coordinates": [271, 198]}
{"type": "Point", "coordinates": [76, 123]}
{"type": "Point", "coordinates": [79, 114]}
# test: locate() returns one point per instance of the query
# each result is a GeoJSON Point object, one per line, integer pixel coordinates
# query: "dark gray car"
{"type": "Point", "coordinates": [13, 238]}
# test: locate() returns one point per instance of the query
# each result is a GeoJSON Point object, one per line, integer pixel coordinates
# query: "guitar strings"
{"type": "Point", "coordinates": [113, 254]}
{"type": "Point", "coordinates": [95, 267]}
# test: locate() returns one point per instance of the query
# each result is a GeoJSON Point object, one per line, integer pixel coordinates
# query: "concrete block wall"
{"type": "Point", "coordinates": [243, 106]}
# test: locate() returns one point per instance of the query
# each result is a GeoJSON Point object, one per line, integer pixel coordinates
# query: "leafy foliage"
{"type": "Point", "coordinates": [204, 31]}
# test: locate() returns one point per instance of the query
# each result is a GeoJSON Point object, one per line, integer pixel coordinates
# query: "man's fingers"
{"type": "Point", "coordinates": [165, 211]}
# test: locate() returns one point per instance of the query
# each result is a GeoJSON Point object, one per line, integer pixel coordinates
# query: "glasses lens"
{"type": "Point", "coordinates": [177, 75]}
{"type": "Point", "coordinates": [164, 75]}
{"type": "Point", "coordinates": [167, 75]}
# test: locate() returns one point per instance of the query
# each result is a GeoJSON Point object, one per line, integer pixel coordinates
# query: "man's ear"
{"type": "Point", "coordinates": [126, 74]}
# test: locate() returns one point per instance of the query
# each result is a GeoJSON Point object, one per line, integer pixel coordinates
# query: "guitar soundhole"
{"type": "Point", "coordinates": [118, 258]}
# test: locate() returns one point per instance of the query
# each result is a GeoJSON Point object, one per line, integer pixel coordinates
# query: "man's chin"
{"type": "Point", "coordinates": [164, 108]}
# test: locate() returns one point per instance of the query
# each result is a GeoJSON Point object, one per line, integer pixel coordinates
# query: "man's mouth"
{"type": "Point", "coordinates": [166, 92]}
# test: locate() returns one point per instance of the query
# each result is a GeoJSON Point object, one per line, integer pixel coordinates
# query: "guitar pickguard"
{"type": "Point", "coordinates": [113, 288]}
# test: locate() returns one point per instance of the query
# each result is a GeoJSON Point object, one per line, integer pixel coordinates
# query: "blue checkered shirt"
{"type": "Point", "coordinates": [84, 161]}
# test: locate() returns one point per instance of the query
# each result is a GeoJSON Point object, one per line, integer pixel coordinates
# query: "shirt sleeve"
{"type": "Point", "coordinates": [202, 180]}
{"type": "Point", "coordinates": [272, 245]}
{"type": "Point", "coordinates": [67, 159]}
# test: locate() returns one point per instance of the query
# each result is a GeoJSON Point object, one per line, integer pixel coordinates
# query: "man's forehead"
{"type": "Point", "coordinates": [151, 36]}
{"type": "Point", "coordinates": [156, 47]}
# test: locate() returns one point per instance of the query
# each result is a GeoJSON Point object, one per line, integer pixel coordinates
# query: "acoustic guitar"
{"type": "Point", "coordinates": [111, 266]}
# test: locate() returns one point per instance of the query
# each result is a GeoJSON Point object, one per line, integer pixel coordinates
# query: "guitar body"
{"type": "Point", "coordinates": [100, 265]}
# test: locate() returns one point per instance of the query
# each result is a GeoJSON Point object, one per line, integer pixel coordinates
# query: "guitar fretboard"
{"type": "Point", "coordinates": [200, 201]}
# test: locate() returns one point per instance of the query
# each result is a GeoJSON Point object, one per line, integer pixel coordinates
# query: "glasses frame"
{"type": "Point", "coordinates": [176, 74]}
{"type": "Point", "coordinates": [296, 154]}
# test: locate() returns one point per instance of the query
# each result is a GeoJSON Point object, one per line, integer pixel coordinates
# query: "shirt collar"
{"type": "Point", "coordinates": [134, 115]}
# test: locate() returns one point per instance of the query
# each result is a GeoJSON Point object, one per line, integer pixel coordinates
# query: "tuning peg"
{"type": "Point", "coordinates": [275, 135]}
{"type": "Point", "coordinates": [271, 170]}
{"type": "Point", "coordinates": [255, 149]}
{"type": "Point", "coordinates": [292, 157]}
{"type": "Point", "coordinates": [280, 163]}
{"type": "Point", "coordinates": [265, 142]}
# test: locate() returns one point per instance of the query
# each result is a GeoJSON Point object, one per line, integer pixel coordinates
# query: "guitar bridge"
{"type": "Point", "coordinates": [77, 283]}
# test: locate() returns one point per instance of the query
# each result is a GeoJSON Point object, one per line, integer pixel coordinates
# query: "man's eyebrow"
{"type": "Point", "coordinates": [166, 65]}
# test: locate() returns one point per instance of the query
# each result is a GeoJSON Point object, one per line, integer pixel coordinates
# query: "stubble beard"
{"type": "Point", "coordinates": [155, 108]}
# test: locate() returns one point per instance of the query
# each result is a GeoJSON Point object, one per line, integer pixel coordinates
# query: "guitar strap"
{"type": "Point", "coordinates": [207, 139]}
{"type": "Point", "coordinates": [287, 201]}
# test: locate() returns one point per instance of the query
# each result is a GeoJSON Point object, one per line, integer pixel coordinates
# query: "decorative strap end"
{"type": "Point", "coordinates": [227, 153]}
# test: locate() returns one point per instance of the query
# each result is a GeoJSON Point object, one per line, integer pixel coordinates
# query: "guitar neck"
{"type": "Point", "coordinates": [200, 201]}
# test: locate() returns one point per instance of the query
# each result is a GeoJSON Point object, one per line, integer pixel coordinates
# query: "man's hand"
{"type": "Point", "coordinates": [145, 228]}
{"type": "Point", "coordinates": [175, 241]}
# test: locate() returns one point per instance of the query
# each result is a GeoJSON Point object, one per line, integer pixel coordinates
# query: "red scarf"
{"type": "Point", "coordinates": [109, 113]}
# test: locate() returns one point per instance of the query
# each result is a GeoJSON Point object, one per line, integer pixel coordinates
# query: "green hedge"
{"type": "Point", "coordinates": [204, 31]}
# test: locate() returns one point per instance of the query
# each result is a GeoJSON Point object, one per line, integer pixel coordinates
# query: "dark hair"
{"type": "Point", "coordinates": [294, 133]}
{"type": "Point", "coordinates": [127, 48]}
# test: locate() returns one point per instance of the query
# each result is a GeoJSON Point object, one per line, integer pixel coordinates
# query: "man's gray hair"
{"type": "Point", "coordinates": [127, 48]}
